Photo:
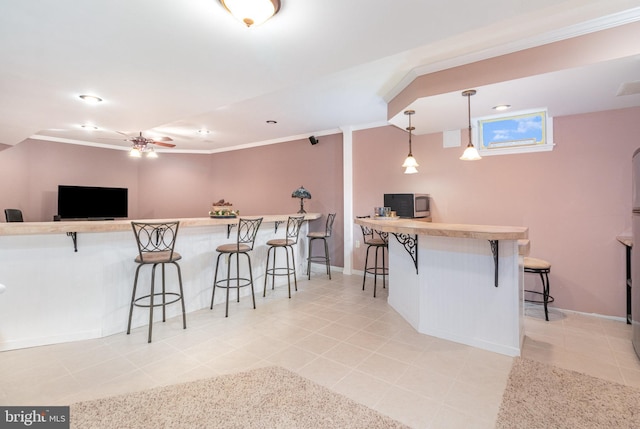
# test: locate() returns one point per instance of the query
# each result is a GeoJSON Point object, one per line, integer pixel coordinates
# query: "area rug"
{"type": "Point", "coordinates": [270, 397]}
{"type": "Point", "coordinates": [546, 397]}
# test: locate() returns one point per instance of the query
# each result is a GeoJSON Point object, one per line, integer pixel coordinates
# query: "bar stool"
{"type": "Point", "coordinates": [380, 243]}
{"type": "Point", "coordinates": [247, 231]}
{"type": "Point", "coordinates": [156, 242]}
{"type": "Point", "coordinates": [13, 215]}
{"type": "Point", "coordinates": [541, 267]}
{"type": "Point", "coordinates": [321, 235]}
{"type": "Point", "coordinates": [291, 237]}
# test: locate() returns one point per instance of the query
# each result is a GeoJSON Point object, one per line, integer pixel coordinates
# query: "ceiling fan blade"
{"type": "Point", "coordinates": [164, 139]}
{"type": "Point", "coordinates": [163, 144]}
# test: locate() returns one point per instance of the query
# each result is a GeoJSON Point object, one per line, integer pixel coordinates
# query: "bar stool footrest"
{"type": "Point", "coordinates": [377, 271]}
{"type": "Point", "coordinates": [286, 271]}
{"type": "Point", "coordinates": [550, 299]}
{"type": "Point", "coordinates": [158, 295]}
{"type": "Point", "coordinates": [223, 283]}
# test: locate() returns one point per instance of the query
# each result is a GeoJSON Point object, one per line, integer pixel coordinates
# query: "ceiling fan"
{"type": "Point", "coordinates": [142, 144]}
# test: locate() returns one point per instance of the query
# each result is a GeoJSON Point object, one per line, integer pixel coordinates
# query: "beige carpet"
{"type": "Point", "coordinates": [547, 397]}
{"type": "Point", "coordinates": [263, 398]}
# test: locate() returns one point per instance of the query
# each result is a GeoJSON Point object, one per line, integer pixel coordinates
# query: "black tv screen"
{"type": "Point", "coordinates": [90, 202]}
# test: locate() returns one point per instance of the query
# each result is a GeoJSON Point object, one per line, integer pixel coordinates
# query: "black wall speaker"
{"type": "Point", "coordinates": [313, 140]}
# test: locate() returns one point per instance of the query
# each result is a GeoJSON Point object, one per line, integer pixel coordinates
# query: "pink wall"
{"type": "Point", "coordinates": [260, 181]}
{"type": "Point", "coordinates": [31, 171]}
{"type": "Point", "coordinates": [174, 185]}
{"type": "Point", "coordinates": [256, 181]}
{"type": "Point", "coordinates": [575, 199]}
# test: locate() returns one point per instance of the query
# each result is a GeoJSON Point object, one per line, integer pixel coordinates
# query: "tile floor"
{"type": "Point", "coordinates": [331, 332]}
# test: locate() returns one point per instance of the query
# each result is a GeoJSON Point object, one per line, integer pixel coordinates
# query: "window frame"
{"type": "Point", "coordinates": [541, 143]}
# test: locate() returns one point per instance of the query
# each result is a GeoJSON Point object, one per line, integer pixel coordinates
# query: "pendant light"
{"type": "Point", "coordinates": [252, 12]}
{"type": "Point", "coordinates": [410, 163]}
{"type": "Point", "coordinates": [470, 153]}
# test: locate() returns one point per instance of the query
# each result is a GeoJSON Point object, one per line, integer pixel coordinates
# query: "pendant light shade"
{"type": "Point", "coordinates": [410, 162]}
{"type": "Point", "coordinates": [470, 153]}
{"type": "Point", "coordinates": [252, 12]}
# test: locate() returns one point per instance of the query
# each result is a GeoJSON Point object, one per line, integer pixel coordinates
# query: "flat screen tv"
{"type": "Point", "coordinates": [91, 202]}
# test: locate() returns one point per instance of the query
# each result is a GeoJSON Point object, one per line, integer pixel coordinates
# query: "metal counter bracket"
{"type": "Point", "coordinates": [494, 250]}
{"type": "Point", "coordinates": [74, 237]}
{"type": "Point", "coordinates": [278, 222]}
{"type": "Point", "coordinates": [410, 243]}
{"type": "Point", "coordinates": [229, 228]}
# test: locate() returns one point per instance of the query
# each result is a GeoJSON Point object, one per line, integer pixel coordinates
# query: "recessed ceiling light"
{"type": "Point", "coordinates": [501, 107]}
{"type": "Point", "coordinates": [203, 131]}
{"type": "Point", "coordinates": [90, 98]}
{"type": "Point", "coordinates": [271, 121]}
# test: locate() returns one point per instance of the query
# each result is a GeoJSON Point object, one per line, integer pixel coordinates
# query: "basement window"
{"type": "Point", "coordinates": [519, 132]}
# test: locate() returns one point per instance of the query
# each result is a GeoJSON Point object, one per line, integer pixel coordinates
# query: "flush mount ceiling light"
{"type": "Point", "coordinates": [88, 127]}
{"type": "Point", "coordinates": [502, 107]}
{"type": "Point", "coordinates": [410, 162]}
{"type": "Point", "coordinates": [252, 12]}
{"type": "Point", "coordinates": [91, 99]}
{"type": "Point", "coordinates": [470, 153]}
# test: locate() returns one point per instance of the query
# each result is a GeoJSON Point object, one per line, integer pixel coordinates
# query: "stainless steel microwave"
{"type": "Point", "coordinates": [408, 205]}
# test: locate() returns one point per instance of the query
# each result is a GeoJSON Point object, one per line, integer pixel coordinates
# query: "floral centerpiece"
{"type": "Point", "coordinates": [223, 208]}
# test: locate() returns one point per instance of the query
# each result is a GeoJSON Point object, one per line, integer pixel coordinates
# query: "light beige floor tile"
{"type": "Point", "coordinates": [104, 371]}
{"type": "Point", "coordinates": [292, 358]}
{"type": "Point", "coordinates": [337, 331]}
{"type": "Point", "coordinates": [451, 418]}
{"type": "Point", "coordinates": [362, 388]}
{"type": "Point", "coordinates": [407, 407]}
{"type": "Point", "coordinates": [234, 361]}
{"type": "Point", "coordinates": [426, 382]}
{"type": "Point", "coordinates": [383, 367]}
{"type": "Point", "coordinates": [367, 340]}
{"type": "Point", "coordinates": [347, 354]}
{"type": "Point", "coordinates": [400, 351]}
{"type": "Point", "coordinates": [317, 343]}
{"type": "Point", "coordinates": [476, 400]}
{"type": "Point", "coordinates": [324, 371]}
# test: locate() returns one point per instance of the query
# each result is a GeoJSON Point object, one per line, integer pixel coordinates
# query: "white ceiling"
{"type": "Point", "coordinates": [170, 68]}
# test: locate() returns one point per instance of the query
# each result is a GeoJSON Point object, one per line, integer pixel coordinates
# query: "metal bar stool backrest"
{"type": "Point", "coordinates": [294, 223]}
{"type": "Point", "coordinates": [248, 230]}
{"type": "Point", "coordinates": [329, 227]}
{"type": "Point", "coordinates": [369, 233]}
{"type": "Point", "coordinates": [154, 238]}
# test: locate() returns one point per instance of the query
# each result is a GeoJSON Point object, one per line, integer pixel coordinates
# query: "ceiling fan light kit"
{"type": "Point", "coordinates": [252, 12]}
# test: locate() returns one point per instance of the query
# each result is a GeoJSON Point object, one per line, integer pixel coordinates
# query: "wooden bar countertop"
{"type": "Point", "coordinates": [30, 228]}
{"type": "Point", "coordinates": [412, 226]}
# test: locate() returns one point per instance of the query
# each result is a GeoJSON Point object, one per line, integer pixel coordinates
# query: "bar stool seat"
{"type": "Point", "coordinates": [321, 235]}
{"type": "Point", "coordinates": [543, 268]}
{"type": "Point", "coordinates": [156, 243]}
